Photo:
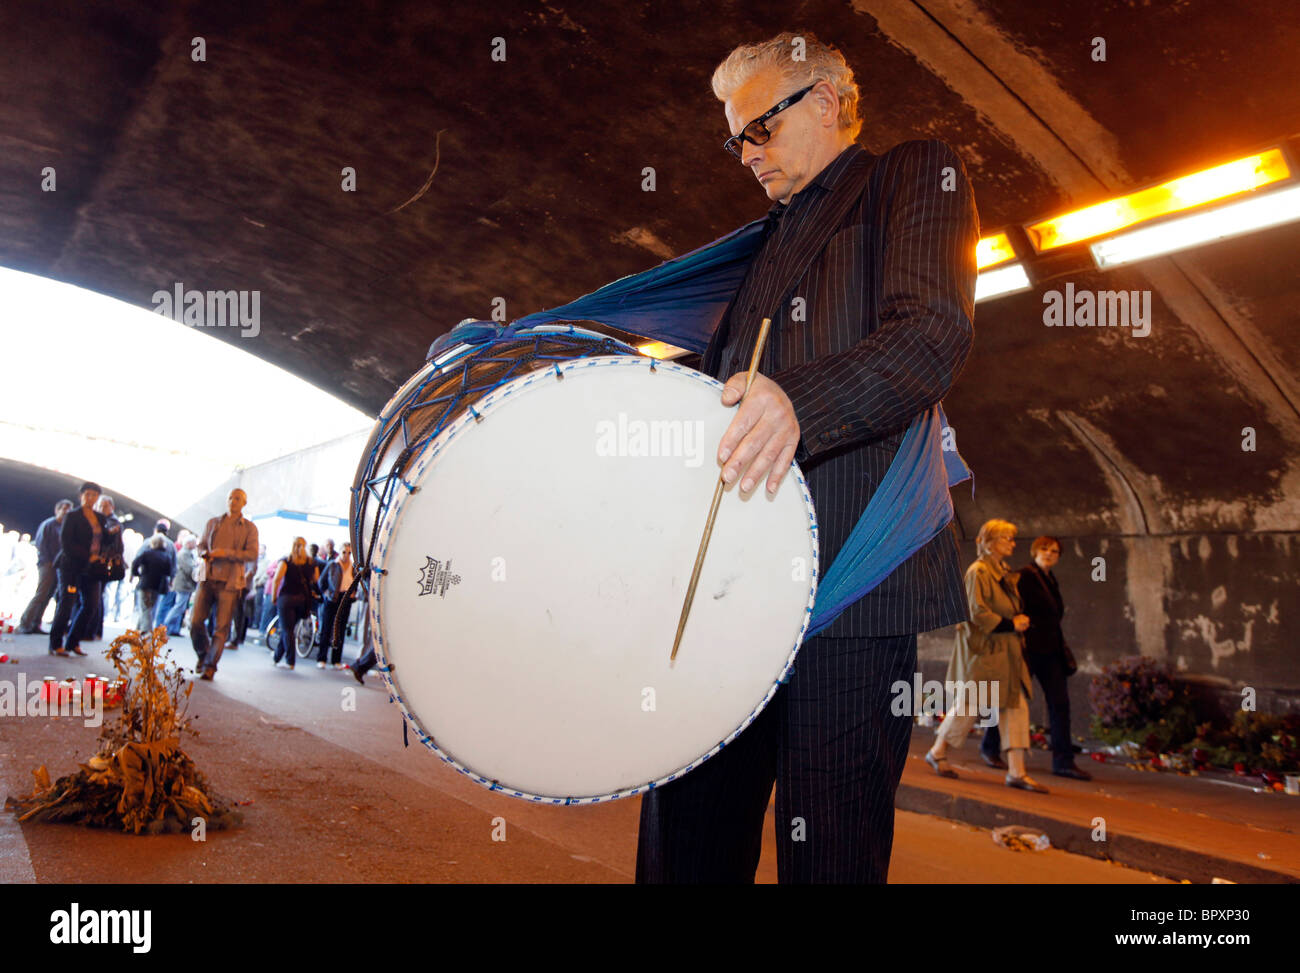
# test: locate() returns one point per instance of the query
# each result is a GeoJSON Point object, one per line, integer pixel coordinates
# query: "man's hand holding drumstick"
{"type": "Point", "coordinates": [760, 441]}
{"type": "Point", "coordinates": [763, 435]}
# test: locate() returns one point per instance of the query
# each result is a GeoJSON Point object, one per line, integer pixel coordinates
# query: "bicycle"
{"type": "Point", "coordinates": [304, 635]}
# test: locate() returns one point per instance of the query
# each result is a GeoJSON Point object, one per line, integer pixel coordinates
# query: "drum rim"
{"type": "Point", "coordinates": [482, 408]}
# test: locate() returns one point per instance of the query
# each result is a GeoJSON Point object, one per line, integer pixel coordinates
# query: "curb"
{"type": "Point", "coordinates": [1170, 861]}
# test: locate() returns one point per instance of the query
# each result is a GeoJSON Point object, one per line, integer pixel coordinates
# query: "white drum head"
{"type": "Point", "coordinates": [533, 581]}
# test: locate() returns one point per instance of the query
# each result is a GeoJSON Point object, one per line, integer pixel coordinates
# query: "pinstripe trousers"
{"type": "Point", "coordinates": [835, 751]}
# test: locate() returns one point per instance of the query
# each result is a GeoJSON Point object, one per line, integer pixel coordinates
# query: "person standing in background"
{"type": "Point", "coordinates": [115, 554]}
{"type": "Point", "coordinates": [291, 587]}
{"type": "Point", "coordinates": [335, 583]}
{"type": "Point", "coordinates": [183, 584]}
{"type": "Point", "coordinates": [1050, 660]}
{"type": "Point", "coordinates": [152, 567]}
{"type": "Point", "coordinates": [115, 559]}
{"type": "Point", "coordinates": [81, 567]}
{"type": "Point", "coordinates": [324, 558]}
{"type": "Point", "coordinates": [168, 598]}
{"type": "Point", "coordinates": [48, 546]}
{"type": "Point", "coordinates": [267, 582]}
{"type": "Point", "coordinates": [228, 543]}
{"type": "Point", "coordinates": [255, 590]}
{"type": "Point", "coordinates": [988, 652]}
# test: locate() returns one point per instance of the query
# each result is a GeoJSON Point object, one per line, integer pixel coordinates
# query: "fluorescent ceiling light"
{"type": "Point", "coordinates": [1175, 196]}
{"type": "Point", "coordinates": [1234, 219]}
{"type": "Point", "coordinates": [993, 250]}
{"type": "Point", "coordinates": [1011, 279]}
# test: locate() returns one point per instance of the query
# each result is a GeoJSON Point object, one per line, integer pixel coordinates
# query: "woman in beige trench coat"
{"type": "Point", "coordinates": [987, 656]}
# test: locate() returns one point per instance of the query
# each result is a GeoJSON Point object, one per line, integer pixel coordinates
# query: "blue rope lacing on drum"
{"type": "Point", "coordinates": [553, 347]}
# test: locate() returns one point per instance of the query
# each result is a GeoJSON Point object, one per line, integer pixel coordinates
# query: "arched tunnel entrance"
{"type": "Point", "coordinates": [1074, 227]}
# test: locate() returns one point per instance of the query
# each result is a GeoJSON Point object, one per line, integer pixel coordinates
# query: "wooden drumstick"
{"type": "Point", "coordinates": [717, 496]}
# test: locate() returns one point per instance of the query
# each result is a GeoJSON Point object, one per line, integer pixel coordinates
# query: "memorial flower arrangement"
{"type": "Point", "coordinates": [1149, 718]}
{"type": "Point", "coordinates": [1135, 699]}
{"type": "Point", "coordinates": [141, 780]}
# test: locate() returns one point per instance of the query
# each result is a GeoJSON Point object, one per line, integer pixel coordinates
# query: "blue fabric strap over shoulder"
{"type": "Point", "coordinates": [907, 511]}
{"type": "Point", "coordinates": [680, 302]}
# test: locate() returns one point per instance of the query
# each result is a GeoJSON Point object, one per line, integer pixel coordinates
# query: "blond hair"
{"type": "Point", "coordinates": [819, 62]}
{"type": "Point", "coordinates": [991, 531]}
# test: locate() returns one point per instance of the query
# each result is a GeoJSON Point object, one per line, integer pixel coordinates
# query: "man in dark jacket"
{"type": "Point", "coordinates": [168, 597]}
{"type": "Point", "coordinates": [867, 271]}
{"type": "Point", "coordinates": [48, 546]}
{"type": "Point", "coordinates": [154, 569]}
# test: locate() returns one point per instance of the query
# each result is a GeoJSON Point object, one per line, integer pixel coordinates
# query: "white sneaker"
{"type": "Point", "coordinates": [339, 666]}
{"type": "Point", "coordinates": [320, 665]}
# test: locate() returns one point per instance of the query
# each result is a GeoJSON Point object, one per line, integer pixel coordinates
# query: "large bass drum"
{"type": "Point", "coordinates": [527, 514]}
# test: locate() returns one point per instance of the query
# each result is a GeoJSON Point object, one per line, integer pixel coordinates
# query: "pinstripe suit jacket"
{"type": "Point", "coordinates": [881, 249]}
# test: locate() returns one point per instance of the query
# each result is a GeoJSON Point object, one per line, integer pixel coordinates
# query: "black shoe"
{"type": "Point", "coordinates": [1076, 748]}
{"type": "Point", "coordinates": [1074, 773]}
{"type": "Point", "coordinates": [32, 631]}
{"type": "Point", "coordinates": [997, 763]}
{"type": "Point", "coordinates": [359, 676]}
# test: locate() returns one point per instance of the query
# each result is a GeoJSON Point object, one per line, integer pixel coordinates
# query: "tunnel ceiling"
{"type": "Point", "coordinates": [522, 179]}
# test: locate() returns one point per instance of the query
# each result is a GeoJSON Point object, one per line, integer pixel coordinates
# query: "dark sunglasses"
{"type": "Point", "coordinates": [756, 132]}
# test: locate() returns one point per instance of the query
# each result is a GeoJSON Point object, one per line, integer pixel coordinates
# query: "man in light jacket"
{"type": "Point", "coordinates": [228, 543]}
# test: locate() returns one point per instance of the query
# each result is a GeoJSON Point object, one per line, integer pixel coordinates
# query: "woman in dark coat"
{"type": "Point", "coordinates": [1045, 650]}
{"type": "Point", "coordinates": [81, 565]}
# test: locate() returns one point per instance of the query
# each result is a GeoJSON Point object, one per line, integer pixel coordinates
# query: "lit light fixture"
{"type": "Point", "coordinates": [1195, 229]}
{"type": "Point", "coordinates": [1184, 193]}
{"type": "Point", "coordinates": [1011, 279]}
{"type": "Point", "coordinates": [993, 250]}
{"type": "Point", "coordinates": [661, 350]}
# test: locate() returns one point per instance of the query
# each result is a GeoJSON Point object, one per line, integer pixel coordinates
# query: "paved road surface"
{"type": "Point", "coordinates": [334, 796]}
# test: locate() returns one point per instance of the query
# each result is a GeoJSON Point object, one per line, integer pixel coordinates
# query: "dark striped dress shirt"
{"type": "Point", "coordinates": [882, 332]}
